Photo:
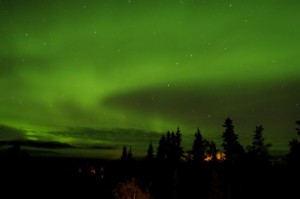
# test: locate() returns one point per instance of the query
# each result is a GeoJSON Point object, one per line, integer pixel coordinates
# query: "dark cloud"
{"type": "Point", "coordinates": [117, 136]}
{"type": "Point", "coordinates": [189, 102]}
{"type": "Point", "coordinates": [13, 136]}
{"type": "Point", "coordinates": [10, 133]}
{"type": "Point", "coordinates": [42, 152]}
{"type": "Point", "coordinates": [167, 101]}
{"type": "Point", "coordinates": [38, 144]}
{"type": "Point", "coordinates": [274, 105]}
{"type": "Point", "coordinates": [102, 147]}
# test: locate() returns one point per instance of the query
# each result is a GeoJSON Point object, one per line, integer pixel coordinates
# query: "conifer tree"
{"type": "Point", "coordinates": [124, 153]}
{"type": "Point", "coordinates": [150, 153]}
{"type": "Point", "coordinates": [130, 155]}
{"type": "Point", "coordinates": [294, 154]}
{"type": "Point", "coordinates": [178, 147]}
{"type": "Point", "coordinates": [258, 152]}
{"type": "Point", "coordinates": [169, 147]}
{"type": "Point", "coordinates": [162, 149]}
{"type": "Point", "coordinates": [232, 148]}
{"type": "Point", "coordinates": [212, 151]}
{"type": "Point", "coordinates": [199, 147]}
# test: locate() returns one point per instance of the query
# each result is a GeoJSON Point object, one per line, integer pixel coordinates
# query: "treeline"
{"type": "Point", "coordinates": [204, 171]}
{"type": "Point", "coordinates": [233, 152]}
{"type": "Point", "coordinates": [232, 172]}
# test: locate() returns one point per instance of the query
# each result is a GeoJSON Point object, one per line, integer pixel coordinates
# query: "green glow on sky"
{"type": "Point", "coordinates": [140, 67]}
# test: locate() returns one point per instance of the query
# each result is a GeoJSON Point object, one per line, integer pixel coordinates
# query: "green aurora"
{"type": "Point", "coordinates": [103, 74]}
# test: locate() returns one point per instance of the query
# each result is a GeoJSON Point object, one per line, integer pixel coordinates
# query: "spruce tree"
{"type": "Point", "coordinates": [298, 129]}
{"type": "Point", "coordinates": [162, 149]}
{"type": "Point", "coordinates": [150, 153]}
{"type": "Point", "coordinates": [169, 147]}
{"type": "Point", "coordinates": [178, 147]}
{"type": "Point", "coordinates": [258, 152]}
{"type": "Point", "coordinates": [294, 154]}
{"type": "Point", "coordinates": [212, 151]}
{"type": "Point", "coordinates": [199, 147]}
{"type": "Point", "coordinates": [130, 155]}
{"type": "Point", "coordinates": [124, 153]}
{"type": "Point", "coordinates": [232, 148]}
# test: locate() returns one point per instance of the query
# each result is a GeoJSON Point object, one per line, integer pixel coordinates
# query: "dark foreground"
{"type": "Point", "coordinates": [31, 177]}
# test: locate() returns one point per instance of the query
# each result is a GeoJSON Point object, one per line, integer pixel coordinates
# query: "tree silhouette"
{"type": "Point", "coordinates": [177, 144]}
{"type": "Point", "coordinates": [232, 148]}
{"type": "Point", "coordinates": [178, 138]}
{"type": "Point", "coordinates": [169, 144]}
{"type": "Point", "coordinates": [130, 155]}
{"type": "Point", "coordinates": [169, 147]}
{"type": "Point", "coordinates": [212, 151]}
{"type": "Point", "coordinates": [162, 149]}
{"type": "Point", "coordinates": [150, 153]}
{"type": "Point", "coordinates": [294, 154]}
{"type": "Point", "coordinates": [126, 156]}
{"type": "Point", "coordinates": [298, 129]}
{"type": "Point", "coordinates": [258, 152]}
{"type": "Point", "coordinates": [199, 147]}
{"type": "Point", "coordinates": [124, 153]}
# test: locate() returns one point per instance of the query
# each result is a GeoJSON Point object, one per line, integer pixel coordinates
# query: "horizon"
{"type": "Point", "coordinates": [109, 74]}
{"type": "Point", "coordinates": [57, 149]}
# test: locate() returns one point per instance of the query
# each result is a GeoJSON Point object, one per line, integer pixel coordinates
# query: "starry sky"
{"type": "Point", "coordinates": [88, 77]}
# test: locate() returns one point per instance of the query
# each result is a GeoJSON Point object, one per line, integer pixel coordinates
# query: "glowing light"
{"type": "Point", "coordinates": [220, 157]}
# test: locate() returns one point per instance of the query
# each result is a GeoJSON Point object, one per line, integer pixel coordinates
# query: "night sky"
{"type": "Point", "coordinates": [102, 74]}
